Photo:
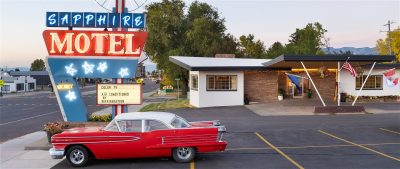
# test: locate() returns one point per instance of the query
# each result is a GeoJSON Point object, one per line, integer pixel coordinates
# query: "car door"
{"type": "Point", "coordinates": [154, 133]}
{"type": "Point", "coordinates": [128, 142]}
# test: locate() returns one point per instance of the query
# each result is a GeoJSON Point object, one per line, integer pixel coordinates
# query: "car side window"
{"type": "Point", "coordinates": [130, 125]}
{"type": "Point", "coordinates": [152, 125]}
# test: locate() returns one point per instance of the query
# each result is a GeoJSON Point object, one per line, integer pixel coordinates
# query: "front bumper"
{"type": "Point", "coordinates": [56, 154]}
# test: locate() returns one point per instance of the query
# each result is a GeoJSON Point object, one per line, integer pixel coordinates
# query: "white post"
{"type": "Point", "coordinates": [362, 86]}
{"type": "Point", "coordinates": [338, 83]}
{"type": "Point", "coordinates": [312, 82]}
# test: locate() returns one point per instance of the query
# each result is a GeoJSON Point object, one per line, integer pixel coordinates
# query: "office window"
{"type": "Point", "coordinates": [374, 82]}
{"type": "Point", "coordinates": [31, 86]}
{"type": "Point", "coordinates": [222, 82]}
{"type": "Point", "coordinates": [194, 82]}
{"type": "Point", "coordinates": [6, 88]}
{"type": "Point", "coordinates": [20, 86]}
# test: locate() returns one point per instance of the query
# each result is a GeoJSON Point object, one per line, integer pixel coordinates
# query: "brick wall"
{"type": "Point", "coordinates": [326, 86]}
{"type": "Point", "coordinates": [261, 86]}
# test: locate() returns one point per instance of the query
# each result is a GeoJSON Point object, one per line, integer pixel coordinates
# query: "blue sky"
{"type": "Point", "coordinates": [352, 23]}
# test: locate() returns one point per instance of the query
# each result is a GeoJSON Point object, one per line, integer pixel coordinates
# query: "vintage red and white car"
{"type": "Point", "coordinates": [138, 135]}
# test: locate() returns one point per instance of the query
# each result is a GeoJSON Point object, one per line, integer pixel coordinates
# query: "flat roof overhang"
{"type": "Point", "coordinates": [329, 61]}
{"type": "Point", "coordinates": [220, 67]}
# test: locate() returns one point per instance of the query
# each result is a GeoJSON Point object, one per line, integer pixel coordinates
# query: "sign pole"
{"type": "Point", "coordinates": [118, 109]}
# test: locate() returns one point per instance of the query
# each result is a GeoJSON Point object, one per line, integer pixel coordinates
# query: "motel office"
{"type": "Point", "coordinates": [228, 81]}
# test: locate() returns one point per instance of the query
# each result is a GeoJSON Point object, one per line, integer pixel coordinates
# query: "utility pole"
{"type": "Point", "coordinates": [389, 37]}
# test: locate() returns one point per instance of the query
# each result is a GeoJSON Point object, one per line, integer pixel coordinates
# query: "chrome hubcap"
{"type": "Point", "coordinates": [184, 152]}
{"type": "Point", "coordinates": [76, 156]}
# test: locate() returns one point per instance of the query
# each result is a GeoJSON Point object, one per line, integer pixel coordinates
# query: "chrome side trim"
{"type": "Point", "coordinates": [94, 137]}
{"type": "Point", "coordinates": [98, 142]}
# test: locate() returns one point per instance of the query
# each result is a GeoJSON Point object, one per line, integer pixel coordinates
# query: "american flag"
{"type": "Point", "coordinates": [350, 68]}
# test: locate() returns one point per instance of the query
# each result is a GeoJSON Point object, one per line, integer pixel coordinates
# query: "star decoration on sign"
{"type": "Point", "coordinates": [102, 67]}
{"type": "Point", "coordinates": [88, 67]}
{"type": "Point", "coordinates": [70, 69]}
{"type": "Point", "coordinates": [123, 72]}
{"type": "Point", "coordinates": [70, 96]}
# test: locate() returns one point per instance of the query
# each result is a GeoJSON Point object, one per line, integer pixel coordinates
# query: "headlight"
{"type": "Point", "coordinates": [216, 123]}
{"type": "Point", "coordinates": [221, 131]}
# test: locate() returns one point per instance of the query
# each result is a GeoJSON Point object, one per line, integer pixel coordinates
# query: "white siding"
{"type": "Point", "coordinates": [348, 84]}
{"type": "Point", "coordinates": [194, 97]}
{"type": "Point", "coordinates": [204, 98]}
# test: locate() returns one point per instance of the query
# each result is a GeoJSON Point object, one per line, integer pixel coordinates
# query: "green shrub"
{"type": "Point", "coordinates": [100, 118]}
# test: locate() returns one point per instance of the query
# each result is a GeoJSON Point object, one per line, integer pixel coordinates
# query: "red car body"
{"type": "Point", "coordinates": [203, 136]}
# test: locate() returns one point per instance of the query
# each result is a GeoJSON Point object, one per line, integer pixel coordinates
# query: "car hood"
{"type": "Point", "coordinates": [82, 129]}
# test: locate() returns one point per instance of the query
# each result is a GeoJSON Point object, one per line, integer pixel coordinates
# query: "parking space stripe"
{"type": "Point", "coordinates": [192, 164]}
{"type": "Point", "coordinates": [358, 145]}
{"type": "Point", "coordinates": [279, 151]}
{"type": "Point", "coordinates": [395, 132]}
{"type": "Point", "coordinates": [300, 147]}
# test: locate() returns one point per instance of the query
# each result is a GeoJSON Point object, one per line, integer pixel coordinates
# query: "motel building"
{"type": "Point", "coordinates": [223, 81]}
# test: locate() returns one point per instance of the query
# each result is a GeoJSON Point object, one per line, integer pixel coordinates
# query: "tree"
{"type": "Point", "coordinates": [171, 31]}
{"type": "Point", "coordinates": [382, 45]}
{"type": "Point", "coordinates": [275, 50]}
{"type": "Point", "coordinates": [251, 48]}
{"type": "Point", "coordinates": [308, 40]}
{"type": "Point", "coordinates": [38, 65]}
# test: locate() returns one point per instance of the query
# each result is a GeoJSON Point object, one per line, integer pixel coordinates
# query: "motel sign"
{"type": "Point", "coordinates": [94, 43]}
{"type": "Point", "coordinates": [95, 20]}
{"type": "Point", "coordinates": [94, 54]}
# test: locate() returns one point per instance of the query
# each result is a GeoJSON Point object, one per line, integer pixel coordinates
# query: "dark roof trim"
{"type": "Point", "coordinates": [384, 65]}
{"type": "Point", "coordinates": [230, 68]}
{"type": "Point", "coordinates": [332, 58]}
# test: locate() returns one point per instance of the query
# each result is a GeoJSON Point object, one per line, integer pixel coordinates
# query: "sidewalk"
{"type": "Point", "coordinates": [13, 154]}
{"type": "Point", "coordinates": [295, 107]}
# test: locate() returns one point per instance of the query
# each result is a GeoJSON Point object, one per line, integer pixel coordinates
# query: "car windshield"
{"type": "Point", "coordinates": [112, 126]}
{"type": "Point", "coordinates": [179, 122]}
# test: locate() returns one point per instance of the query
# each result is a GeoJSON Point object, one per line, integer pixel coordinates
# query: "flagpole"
{"type": "Point", "coordinates": [362, 86]}
{"type": "Point", "coordinates": [312, 82]}
{"type": "Point", "coordinates": [344, 62]}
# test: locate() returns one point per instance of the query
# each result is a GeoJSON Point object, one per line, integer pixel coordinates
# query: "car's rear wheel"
{"type": "Point", "coordinates": [77, 156]}
{"type": "Point", "coordinates": [183, 154]}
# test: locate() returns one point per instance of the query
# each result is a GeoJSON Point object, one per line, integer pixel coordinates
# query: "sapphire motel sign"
{"type": "Point", "coordinates": [90, 54]}
{"type": "Point", "coordinates": [95, 20]}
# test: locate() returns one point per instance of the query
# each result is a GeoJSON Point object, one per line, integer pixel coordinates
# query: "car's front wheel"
{"type": "Point", "coordinates": [183, 154]}
{"type": "Point", "coordinates": [77, 156]}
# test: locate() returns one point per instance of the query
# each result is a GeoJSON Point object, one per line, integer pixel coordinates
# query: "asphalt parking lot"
{"type": "Point", "coordinates": [331, 141]}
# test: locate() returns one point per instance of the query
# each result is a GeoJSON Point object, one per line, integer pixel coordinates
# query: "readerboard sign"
{"type": "Point", "coordinates": [94, 43]}
{"type": "Point", "coordinates": [95, 20]}
{"type": "Point", "coordinates": [119, 94]}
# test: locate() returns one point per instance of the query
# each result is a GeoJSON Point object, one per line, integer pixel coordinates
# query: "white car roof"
{"type": "Point", "coordinates": [164, 117]}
